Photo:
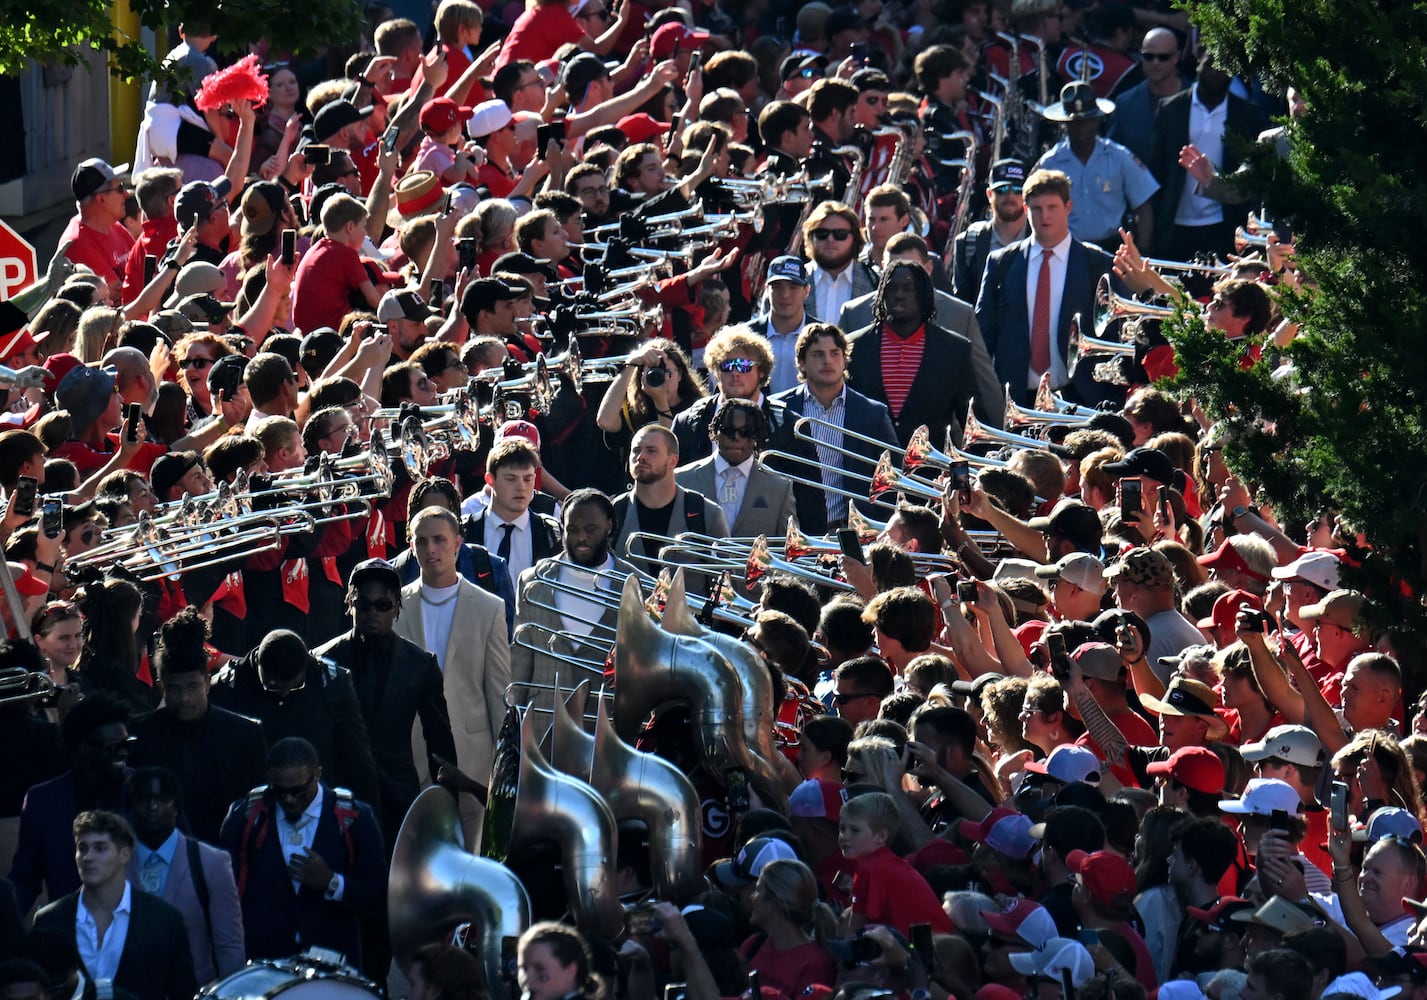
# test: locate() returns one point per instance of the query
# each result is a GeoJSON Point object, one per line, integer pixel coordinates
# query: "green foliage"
{"type": "Point", "coordinates": [1351, 432]}
{"type": "Point", "coordinates": [61, 29]}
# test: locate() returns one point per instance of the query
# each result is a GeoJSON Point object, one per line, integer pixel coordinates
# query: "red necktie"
{"type": "Point", "coordinates": [1040, 319]}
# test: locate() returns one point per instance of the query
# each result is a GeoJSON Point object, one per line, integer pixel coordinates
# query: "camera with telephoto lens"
{"type": "Point", "coordinates": [655, 377]}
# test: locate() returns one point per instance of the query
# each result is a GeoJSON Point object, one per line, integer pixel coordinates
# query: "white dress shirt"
{"type": "Point", "coordinates": [101, 958]}
{"type": "Point", "coordinates": [1059, 257]}
{"type": "Point", "coordinates": [833, 290]}
{"type": "Point", "coordinates": [520, 557]}
{"type": "Point", "coordinates": [297, 837]}
{"type": "Point", "coordinates": [721, 467]}
{"type": "Point", "coordinates": [1206, 132]}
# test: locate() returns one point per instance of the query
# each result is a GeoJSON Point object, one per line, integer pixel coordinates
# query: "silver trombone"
{"type": "Point", "coordinates": [682, 256]}
{"type": "Point", "coordinates": [1046, 399]}
{"type": "Point", "coordinates": [784, 457]}
{"type": "Point", "coordinates": [673, 222]}
{"type": "Point", "coordinates": [1110, 306]}
{"type": "Point", "coordinates": [920, 452]}
{"type": "Point", "coordinates": [974, 432]}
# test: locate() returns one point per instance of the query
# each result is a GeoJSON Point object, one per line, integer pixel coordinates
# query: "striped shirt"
{"type": "Point", "coordinates": [828, 439]}
{"type": "Point", "coordinates": [901, 357]}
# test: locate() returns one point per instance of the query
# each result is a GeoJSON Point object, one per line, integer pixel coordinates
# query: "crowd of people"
{"type": "Point", "coordinates": [1063, 711]}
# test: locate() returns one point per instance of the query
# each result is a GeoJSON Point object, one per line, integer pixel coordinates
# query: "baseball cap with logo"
{"type": "Point", "coordinates": [1227, 607]}
{"type": "Point", "coordinates": [441, 114]}
{"type": "Point", "coordinates": [1008, 175]}
{"type": "Point", "coordinates": [1197, 768]}
{"type": "Point", "coordinates": [1291, 744]}
{"type": "Point", "coordinates": [787, 268]}
{"type": "Point", "coordinates": [675, 35]}
{"type": "Point", "coordinates": [1144, 568]}
{"type": "Point", "coordinates": [1079, 568]}
{"type": "Point", "coordinates": [482, 295]}
{"type": "Point", "coordinates": [1068, 764]}
{"type": "Point", "coordinates": [1319, 568]}
{"type": "Point", "coordinates": [1189, 697]}
{"type": "Point", "coordinates": [1148, 462]}
{"type": "Point", "coordinates": [519, 429]}
{"type": "Point", "coordinates": [743, 868]}
{"type": "Point", "coordinates": [1226, 557]}
{"type": "Point", "coordinates": [1342, 608]}
{"type": "Point", "coordinates": [1390, 821]}
{"type": "Point", "coordinates": [1073, 521]}
{"type": "Point", "coordinates": [1262, 797]}
{"type": "Point", "coordinates": [402, 304]}
{"type": "Point", "coordinates": [1025, 919]}
{"type": "Point", "coordinates": [817, 798]}
{"type": "Point", "coordinates": [1004, 830]}
{"type": "Point", "coordinates": [1059, 957]}
{"type": "Point", "coordinates": [84, 392]}
{"type": "Point", "coordinates": [93, 174]}
{"type": "Point", "coordinates": [197, 200]}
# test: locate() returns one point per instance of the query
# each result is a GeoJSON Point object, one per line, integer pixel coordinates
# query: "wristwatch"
{"type": "Point", "coordinates": [333, 884]}
{"type": "Point", "coordinates": [1238, 512]}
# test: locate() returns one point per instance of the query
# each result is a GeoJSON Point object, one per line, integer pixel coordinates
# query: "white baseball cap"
{"type": "Point", "coordinates": [1318, 568]}
{"type": "Point", "coordinates": [1261, 797]}
{"type": "Point", "coordinates": [1294, 744]}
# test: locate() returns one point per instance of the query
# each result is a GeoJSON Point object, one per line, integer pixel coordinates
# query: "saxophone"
{"type": "Point", "coordinates": [900, 167]}
{"type": "Point", "coordinates": [853, 194]}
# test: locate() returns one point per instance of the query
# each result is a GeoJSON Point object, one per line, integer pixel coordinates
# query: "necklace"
{"type": "Point", "coordinates": [438, 604]}
{"type": "Point", "coordinates": [666, 414]}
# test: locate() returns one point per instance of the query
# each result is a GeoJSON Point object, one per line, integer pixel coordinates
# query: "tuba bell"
{"type": "Point", "coordinates": [436, 885]}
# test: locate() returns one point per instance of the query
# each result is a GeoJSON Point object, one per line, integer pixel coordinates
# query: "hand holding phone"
{"type": "Point", "coordinates": [1059, 657]}
{"type": "Point", "coordinates": [1131, 499]}
{"type": "Point", "coordinates": [289, 247]}
{"type": "Point", "coordinates": [966, 591]}
{"type": "Point", "coordinates": [131, 422]}
{"type": "Point", "coordinates": [22, 504]}
{"type": "Point", "coordinates": [52, 517]}
{"type": "Point", "coordinates": [851, 544]}
{"type": "Point", "coordinates": [1338, 805]}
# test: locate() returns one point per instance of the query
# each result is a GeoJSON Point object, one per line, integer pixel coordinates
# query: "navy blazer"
{"type": "Point", "coordinates": [278, 922]}
{"type": "Point", "coordinates": [1006, 322]}
{"type": "Point", "coordinates": [941, 392]}
{"type": "Point", "coordinates": [44, 855]}
{"type": "Point", "coordinates": [862, 415]}
{"type": "Point", "coordinates": [156, 963]}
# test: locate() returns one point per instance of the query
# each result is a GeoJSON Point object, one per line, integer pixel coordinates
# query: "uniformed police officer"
{"type": "Point", "coordinates": [1106, 180]}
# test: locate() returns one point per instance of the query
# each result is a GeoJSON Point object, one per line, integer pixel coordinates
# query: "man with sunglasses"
{"type": "Point", "coordinates": [742, 364]}
{"type": "Point", "coordinates": [1133, 122]}
{"type": "Point", "coordinates": [95, 235]}
{"type": "Point", "coordinates": [755, 499]}
{"type": "Point", "coordinates": [397, 683]}
{"type": "Point", "coordinates": [834, 236]}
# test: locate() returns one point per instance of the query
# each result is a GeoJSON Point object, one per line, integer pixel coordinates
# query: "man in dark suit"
{"type": "Point", "coordinates": [1024, 320]}
{"type": "Point", "coordinates": [96, 734]}
{"type": "Point", "coordinates": [755, 499]}
{"type": "Point", "coordinates": [127, 938]}
{"type": "Point", "coordinates": [1207, 117]}
{"type": "Point", "coordinates": [824, 394]}
{"type": "Point", "coordinates": [293, 693]}
{"type": "Point", "coordinates": [217, 754]}
{"type": "Point", "coordinates": [905, 360]}
{"type": "Point", "coordinates": [308, 859]}
{"type": "Point", "coordinates": [397, 682]}
{"type": "Point", "coordinates": [194, 878]}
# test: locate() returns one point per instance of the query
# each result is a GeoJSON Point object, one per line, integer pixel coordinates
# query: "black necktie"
{"type": "Point", "coordinates": [504, 549]}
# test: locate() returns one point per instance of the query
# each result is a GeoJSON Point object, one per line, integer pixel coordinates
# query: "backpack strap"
{"type": "Point", "coordinates": [345, 808]}
{"type": "Point", "coordinates": [200, 887]}
{"type": "Point", "coordinates": [695, 520]}
{"type": "Point", "coordinates": [255, 831]}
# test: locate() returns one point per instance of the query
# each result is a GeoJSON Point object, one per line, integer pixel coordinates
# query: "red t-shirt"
{"type": "Point", "coordinates": [103, 253]}
{"type": "Point", "coordinates": [497, 181]}
{"type": "Point", "coordinates": [888, 890]}
{"type": "Point", "coordinates": [538, 32]}
{"type": "Point", "coordinates": [792, 970]}
{"type": "Point", "coordinates": [88, 459]}
{"type": "Point", "coordinates": [326, 278]}
{"type": "Point", "coordinates": [153, 240]}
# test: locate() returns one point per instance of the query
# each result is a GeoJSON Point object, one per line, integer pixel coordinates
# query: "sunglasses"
{"type": "Point", "coordinates": [277, 687]}
{"type": "Point", "coordinates": [739, 432]}
{"type": "Point", "coordinates": [382, 605]}
{"type": "Point", "coordinates": [199, 363]}
{"type": "Point", "coordinates": [291, 792]}
{"type": "Point", "coordinates": [741, 365]}
{"type": "Point", "coordinates": [115, 748]}
{"type": "Point", "coordinates": [841, 235]}
{"type": "Point", "coordinates": [843, 699]}
{"type": "Point", "coordinates": [1158, 56]}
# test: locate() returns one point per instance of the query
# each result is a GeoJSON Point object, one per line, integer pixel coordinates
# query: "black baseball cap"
{"type": "Point", "coordinates": [1008, 175]}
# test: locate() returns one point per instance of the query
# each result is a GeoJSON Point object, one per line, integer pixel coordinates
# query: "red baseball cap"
{"type": "Point", "coordinates": [1216, 915]}
{"type": "Point", "coordinates": [1106, 876]}
{"type": "Point", "coordinates": [1227, 607]}
{"type": "Point", "coordinates": [1025, 920]}
{"type": "Point", "coordinates": [1226, 557]}
{"type": "Point", "coordinates": [440, 113]}
{"type": "Point", "coordinates": [642, 127]}
{"type": "Point", "coordinates": [521, 429]}
{"type": "Point", "coordinates": [16, 343]}
{"type": "Point", "coordinates": [58, 366]}
{"type": "Point", "coordinates": [1198, 768]}
{"type": "Point", "coordinates": [675, 35]}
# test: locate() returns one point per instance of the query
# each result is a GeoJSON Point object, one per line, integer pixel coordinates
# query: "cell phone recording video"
{"type": "Point", "coordinates": [966, 591]}
{"type": "Point", "coordinates": [52, 517]}
{"type": "Point", "coordinates": [851, 544]}
{"type": "Point", "coordinates": [1131, 498]}
{"type": "Point", "coordinates": [317, 155]}
{"type": "Point", "coordinates": [131, 422]}
{"type": "Point", "coordinates": [23, 505]}
{"type": "Point", "coordinates": [289, 247]}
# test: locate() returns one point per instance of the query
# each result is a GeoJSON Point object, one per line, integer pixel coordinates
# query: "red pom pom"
{"type": "Point", "coordinates": [242, 81]}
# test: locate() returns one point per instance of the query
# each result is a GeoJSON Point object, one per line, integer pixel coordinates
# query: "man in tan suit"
{"type": "Point", "coordinates": [463, 626]}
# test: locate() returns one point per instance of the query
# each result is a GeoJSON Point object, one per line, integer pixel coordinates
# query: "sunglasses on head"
{"type": "Point", "coordinates": [741, 365]}
{"type": "Point", "coordinates": [832, 234]}
{"type": "Point", "coordinates": [382, 605]}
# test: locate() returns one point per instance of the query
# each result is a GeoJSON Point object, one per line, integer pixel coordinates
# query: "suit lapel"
{"type": "Point", "coordinates": [453, 640]}
{"type": "Point", "coordinates": [178, 871]}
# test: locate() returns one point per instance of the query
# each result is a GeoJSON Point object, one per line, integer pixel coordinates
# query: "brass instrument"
{"type": "Point", "coordinates": [761, 562]}
{"type": "Point", "coordinates": [965, 189]}
{"type": "Point", "coordinates": [1048, 401]}
{"type": "Point", "coordinates": [852, 195]}
{"type": "Point", "coordinates": [1110, 307]}
{"type": "Point", "coordinates": [1025, 416]}
{"type": "Point", "coordinates": [17, 684]}
{"type": "Point", "coordinates": [436, 885]}
{"type": "Point", "coordinates": [671, 224]}
{"type": "Point", "coordinates": [681, 256]}
{"type": "Point", "coordinates": [920, 452]}
{"type": "Point", "coordinates": [974, 432]}
{"type": "Point", "coordinates": [571, 748]}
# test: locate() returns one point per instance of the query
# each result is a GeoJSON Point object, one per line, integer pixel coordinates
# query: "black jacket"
{"type": "Point", "coordinates": [156, 963]}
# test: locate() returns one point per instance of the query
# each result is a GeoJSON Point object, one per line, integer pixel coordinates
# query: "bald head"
{"type": "Point", "coordinates": [132, 377]}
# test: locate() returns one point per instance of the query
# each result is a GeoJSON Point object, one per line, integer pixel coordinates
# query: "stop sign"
{"type": "Point", "coordinates": [19, 265]}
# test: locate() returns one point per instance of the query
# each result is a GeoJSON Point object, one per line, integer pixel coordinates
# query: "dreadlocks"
{"type": "Point", "coordinates": [757, 420]}
{"type": "Point", "coordinates": [926, 294]}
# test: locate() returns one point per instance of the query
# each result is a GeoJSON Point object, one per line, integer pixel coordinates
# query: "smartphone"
{"type": "Point", "coordinates": [1088, 937]}
{"type": "Point", "coordinates": [446, 204]}
{"type": "Point", "coordinates": [317, 155]}
{"type": "Point", "coordinates": [921, 935]}
{"type": "Point", "coordinates": [696, 61]}
{"type": "Point", "coordinates": [966, 591]}
{"type": "Point", "coordinates": [851, 544]}
{"type": "Point", "coordinates": [1257, 621]}
{"type": "Point", "coordinates": [438, 295]}
{"type": "Point", "coordinates": [1131, 498]}
{"type": "Point", "coordinates": [1338, 805]}
{"type": "Point", "coordinates": [389, 138]}
{"type": "Point", "coordinates": [960, 475]}
{"type": "Point", "coordinates": [1059, 657]}
{"type": "Point", "coordinates": [131, 422]}
{"type": "Point", "coordinates": [1278, 820]}
{"type": "Point", "coordinates": [289, 247]}
{"type": "Point", "coordinates": [859, 53]}
{"type": "Point", "coordinates": [736, 785]}
{"type": "Point", "coordinates": [755, 986]}
{"type": "Point", "coordinates": [151, 267]}
{"type": "Point", "coordinates": [52, 517]}
{"type": "Point", "coordinates": [466, 253]}
{"type": "Point", "coordinates": [1162, 498]}
{"type": "Point", "coordinates": [642, 922]}
{"type": "Point", "coordinates": [551, 130]}
{"type": "Point", "coordinates": [25, 491]}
